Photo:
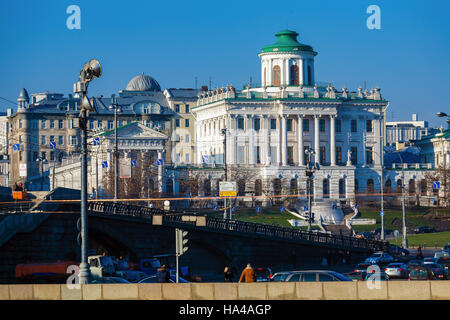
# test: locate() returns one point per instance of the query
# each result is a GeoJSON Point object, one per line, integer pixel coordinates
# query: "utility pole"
{"type": "Point", "coordinates": [116, 150]}
{"type": "Point", "coordinates": [224, 133]}
{"type": "Point", "coordinates": [405, 240]}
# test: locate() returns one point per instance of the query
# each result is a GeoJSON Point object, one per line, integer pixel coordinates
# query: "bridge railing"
{"type": "Point", "coordinates": [175, 216]}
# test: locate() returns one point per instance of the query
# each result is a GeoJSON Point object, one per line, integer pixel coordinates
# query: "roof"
{"type": "Point", "coordinates": [23, 95]}
{"type": "Point", "coordinates": [287, 41]}
{"type": "Point", "coordinates": [182, 93]}
{"type": "Point", "coordinates": [143, 82]}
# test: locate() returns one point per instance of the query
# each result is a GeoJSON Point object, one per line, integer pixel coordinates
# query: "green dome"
{"type": "Point", "coordinates": [287, 41]}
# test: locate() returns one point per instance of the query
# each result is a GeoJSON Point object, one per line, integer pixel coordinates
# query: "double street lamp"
{"type": "Point", "coordinates": [114, 106]}
{"type": "Point", "coordinates": [311, 167]}
{"type": "Point", "coordinates": [91, 70]}
{"type": "Point", "coordinates": [42, 161]}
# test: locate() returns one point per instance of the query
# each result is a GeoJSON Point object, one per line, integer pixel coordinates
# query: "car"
{"type": "Point", "coordinates": [309, 276]}
{"type": "Point", "coordinates": [429, 260]}
{"type": "Point", "coordinates": [442, 254]}
{"type": "Point", "coordinates": [154, 279]}
{"type": "Point", "coordinates": [420, 273]}
{"type": "Point", "coordinates": [446, 247]}
{"type": "Point", "coordinates": [379, 258]}
{"type": "Point", "coordinates": [424, 229]}
{"type": "Point", "coordinates": [361, 267]}
{"type": "Point", "coordinates": [263, 274]}
{"type": "Point", "coordinates": [109, 280]}
{"type": "Point", "coordinates": [381, 276]}
{"type": "Point", "coordinates": [396, 270]}
{"type": "Point", "coordinates": [355, 275]}
{"type": "Point", "coordinates": [414, 263]}
{"type": "Point", "coordinates": [439, 272]}
{"type": "Point", "coordinates": [397, 251]}
{"type": "Point", "coordinates": [444, 262]}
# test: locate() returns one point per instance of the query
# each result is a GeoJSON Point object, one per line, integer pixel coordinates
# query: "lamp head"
{"type": "Point", "coordinates": [91, 70]}
{"type": "Point", "coordinates": [442, 114]}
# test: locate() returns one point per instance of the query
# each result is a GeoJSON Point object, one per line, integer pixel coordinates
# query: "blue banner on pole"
{"type": "Point", "coordinates": [52, 145]}
{"type": "Point", "coordinates": [159, 162]}
{"type": "Point", "coordinates": [133, 163]}
{"type": "Point", "coordinates": [16, 147]}
{"type": "Point", "coordinates": [105, 164]}
{"type": "Point", "coordinates": [436, 185]}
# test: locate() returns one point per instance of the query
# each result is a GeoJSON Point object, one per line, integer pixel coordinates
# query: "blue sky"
{"type": "Point", "coordinates": [176, 41]}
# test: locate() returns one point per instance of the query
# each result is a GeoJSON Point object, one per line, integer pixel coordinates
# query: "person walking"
{"type": "Point", "coordinates": [163, 274]}
{"type": "Point", "coordinates": [248, 274]}
{"type": "Point", "coordinates": [228, 274]}
{"type": "Point", "coordinates": [419, 253]}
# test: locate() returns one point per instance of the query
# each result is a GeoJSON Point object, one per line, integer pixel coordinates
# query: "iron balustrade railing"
{"type": "Point", "coordinates": [175, 216]}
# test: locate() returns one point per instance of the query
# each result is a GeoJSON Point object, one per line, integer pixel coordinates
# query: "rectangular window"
{"type": "Point", "coordinates": [338, 125]}
{"type": "Point", "coordinates": [187, 108]}
{"type": "Point", "coordinates": [369, 125]}
{"type": "Point", "coordinates": [354, 155]}
{"type": "Point", "coordinates": [20, 155]}
{"type": "Point", "coordinates": [289, 125]}
{"type": "Point", "coordinates": [354, 127]}
{"type": "Point", "coordinates": [322, 155]}
{"type": "Point", "coordinates": [273, 154]}
{"type": "Point", "coordinates": [177, 108]}
{"type": "Point", "coordinates": [177, 123]}
{"type": "Point", "coordinates": [240, 154]}
{"type": "Point", "coordinates": [273, 124]}
{"type": "Point", "coordinates": [60, 124]}
{"type": "Point", "coordinates": [61, 140]}
{"type": "Point", "coordinates": [369, 155]}
{"type": "Point", "coordinates": [34, 124]}
{"type": "Point", "coordinates": [120, 123]}
{"type": "Point", "coordinates": [186, 138]}
{"type": "Point", "coordinates": [258, 155]}
{"type": "Point", "coordinates": [44, 155]}
{"type": "Point", "coordinates": [110, 124]}
{"type": "Point", "coordinates": [52, 124]}
{"type": "Point", "coordinates": [290, 155]}
{"type": "Point", "coordinates": [52, 138]}
{"type": "Point", "coordinates": [20, 123]}
{"type": "Point", "coordinates": [52, 156]}
{"type": "Point", "coordinates": [186, 123]}
{"type": "Point", "coordinates": [91, 124]}
{"type": "Point", "coordinates": [187, 157]}
{"type": "Point", "coordinates": [43, 140]}
{"type": "Point", "coordinates": [305, 125]}
{"type": "Point", "coordinates": [322, 125]}
{"type": "Point", "coordinates": [240, 123]}
{"type": "Point", "coordinates": [70, 123]}
{"type": "Point", "coordinates": [43, 124]}
{"type": "Point", "coordinates": [257, 124]}
{"type": "Point", "coordinates": [72, 140]}
{"type": "Point", "coordinates": [99, 124]}
{"type": "Point", "coordinates": [338, 155]}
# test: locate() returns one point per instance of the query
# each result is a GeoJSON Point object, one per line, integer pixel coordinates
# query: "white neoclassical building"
{"type": "Point", "coordinates": [268, 128]}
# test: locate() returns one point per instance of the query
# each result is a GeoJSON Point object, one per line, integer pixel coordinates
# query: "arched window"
{"type": "Point", "coordinates": [388, 186]}
{"type": "Point", "coordinates": [412, 186]}
{"type": "Point", "coordinates": [276, 76]}
{"type": "Point", "coordinates": [370, 186]}
{"type": "Point", "coordinates": [277, 186]}
{"type": "Point", "coordinates": [241, 187]}
{"type": "Point", "coordinates": [294, 189]}
{"type": "Point", "coordinates": [326, 188]}
{"type": "Point", "coordinates": [258, 187]}
{"type": "Point", "coordinates": [399, 186]}
{"type": "Point", "coordinates": [309, 76]}
{"type": "Point", "coordinates": [294, 78]}
{"type": "Point", "coordinates": [423, 187]}
{"type": "Point", "coordinates": [342, 188]}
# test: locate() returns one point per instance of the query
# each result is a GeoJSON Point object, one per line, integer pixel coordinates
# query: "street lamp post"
{"type": "Point", "coordinates": [224, 133]}
{"type": "Point", "coordinates": [444, 155]}
{"type": "Point", "coordinates": [115, 106]}
{"type": "Point", "coordinates": [42, 161]}
{"type": "Point", "coordinates": [91, 70]}
{"type": "Point", "coordinates": [311, 167]}
{"type": "Point", "coordinates": [405, 240]}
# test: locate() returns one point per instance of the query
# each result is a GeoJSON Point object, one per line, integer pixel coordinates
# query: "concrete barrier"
{"type": "Point", "coordinates": [356, 290]}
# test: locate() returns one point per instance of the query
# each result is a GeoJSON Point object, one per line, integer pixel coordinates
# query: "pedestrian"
{"type": "Point", "coordinates": [248, 274]}
{"type": "Point", "coordinates": [228, 274]}
{"type": "Point", "coordinates": [419, 253]}
{"type": "Point", "coordinates": [163, 274]}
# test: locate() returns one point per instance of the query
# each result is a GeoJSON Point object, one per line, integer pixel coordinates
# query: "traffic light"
{"type": "Point", "coordinates": [181, 241]}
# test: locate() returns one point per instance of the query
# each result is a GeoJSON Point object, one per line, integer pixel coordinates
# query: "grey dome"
{"type": "Point", "coordinates": [23, 95]}
{"type": "Point", "coordinates": [143, 83]}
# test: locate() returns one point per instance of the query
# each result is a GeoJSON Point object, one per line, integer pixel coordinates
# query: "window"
{"type": "Point", "coordinates": [309, 277]}
{"type": "Point", "coordinates": [42, 124]}
{"type": "Point", "coordinates": [177, 123]}
{"type": "Point", "coordinates": [52, 124]}
{"type": "Point", "coordinates": [99, 124]}
{"type": "Point", "coordinates": [326, 277]}
{"type": "Point", "coordinates": [276, 76]}
{"type": "Point", "coordinates": [60, 124]}
{"type": "Point", "coordinates": [20, 123]}
{"type": "Point", "coordinates": [187, 157]}
{"type": "Point", "coordinates": [305, 125]}
{"type": "Point", "coordinates": [338, 155]}
{"type": "Point", "coordinates": [240, 123]}
{"type": "Point", "coordinates": [354, 127]}
{"type": "Point", "coordinates": [187, 108]}
{"type": "Point", "coordinates": [326, 188]}
{"type": "Point", "coordinates": [257, 124]}
{"type": "Point", "coordinates": [322, 155]}
{"type": "Point", "coordinates": [290, 155]}
{"type": "Point", "coordinates": [44, 155]}
{"type": "Point", "coordinates": [309, 76]}
{"type": "Point", "coordinates": [52, 156]}
{"type": "Point", "coordinates": [354, 155]}
{"type": "Point", "coordinates": [61, 140]}
{"type": "Point", "coordinates": [369, 125]}
{"type": "Point", "coordinates": [273, 124]}
{"type": "Point", "coordinates": [20, 155]}
{"type": "Point", "coordinates": [369, 155]}
{"type": "Point", "coordinates": [70, 123]}
{"type": "Point", "coordinates": [91, 124]}
{"type": "Point", "coordinates": [52, 138]}
{"type": "Point", "coordinates": [289, 125]}
{"type": "Point", "coordinates": [338, 125]}
{"type": "Point", "coordinates": [294, 76]}
{"type": "Point", "coordinates": [295, 277]}
{"type": "Point", "coordinates": [177, 108]}
{"type": "Point", "coordinates": [186, 123]}
{"type": "Point", "coordinates": [110, 124]}
{"type": "Point", "coordinates": [258, 155]}
{"type": "Point", "coordinates": [43, 139]}
{"type": "Point", "coordinates": [186, 138]}
{"type": "Point", "coordinates": [72, 140]}
{"type": "Point", "coordinates": [322, 125]}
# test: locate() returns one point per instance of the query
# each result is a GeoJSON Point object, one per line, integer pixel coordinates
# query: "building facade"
{"type": "Point", "coordinates": [400, 132]}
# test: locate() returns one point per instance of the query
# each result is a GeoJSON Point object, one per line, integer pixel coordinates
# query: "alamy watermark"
{"type": "Point", "coordinates": [74, 20]}
{"type": "Point", "coordinates": [374, 20]}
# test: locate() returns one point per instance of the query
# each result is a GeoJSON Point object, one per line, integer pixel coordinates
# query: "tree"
{"type": "Point", "coordinates": [441, 174]}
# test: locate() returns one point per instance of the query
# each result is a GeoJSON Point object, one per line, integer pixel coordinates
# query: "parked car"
{"type": "Point", "coordinates": [396, 270]}
{"type": "Point", "coordinates": [424, 229]}
{"type": "Point", "coordinates": [381, 276]}
{"type": "Point", "coordinates": [439, 271]}
{"type": "Point", "coordinates": [446, 247]}
{"type": "Point", "coordinates": [109, 280]}
{"type": "Point", "coordinates": [309, 276]}
{"type": "Point", "coordinates": [355, 275]}
{"type": "Point", "coordinates": [420, 273]}
{"type": "Point", "coordinates": [442, 254]}
{"type": "Point", "coordinates": [263, 274]}
{"type": "Point", "coordinates": [361, 267]}
{"type": "Point", "coordinates": [379, 258]}
{"type": "Point", "coordinates": [429, 260]}
{"type": "Point", "coordinates": [444, 262]}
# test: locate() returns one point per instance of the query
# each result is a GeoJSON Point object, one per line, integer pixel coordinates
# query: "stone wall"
{"type": "Point", "coordinates": [356, 290]}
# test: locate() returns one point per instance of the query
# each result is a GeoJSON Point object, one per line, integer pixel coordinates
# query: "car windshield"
{"type": "Point", "coordinates": [262, 273]}
{"type": "Point", "coordinates": [280, 277]}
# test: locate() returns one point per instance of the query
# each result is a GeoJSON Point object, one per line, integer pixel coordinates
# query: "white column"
{"type": "Point", "coordinates": [332, 140]}
{"type": "Point", "coordinates": [300, 71]}
{"type": "Point", "coordinates": [282, 72]}
{"type": "Point", "coordinates": [316, 137]}
{"type": "Point", "coordinates": [249, 129]}
{"type": "Point", "coordinates": [300, 140]}
{"type": "Point", "coordinates": [269, 73]}
{"type": "Point", "coordinates": [283, 140]}
{"type": "Point", "coordinates": [267, 152]}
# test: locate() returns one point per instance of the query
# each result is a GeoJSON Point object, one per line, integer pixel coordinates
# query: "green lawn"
{"type": "Point", "coordinates": [437, 239]}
